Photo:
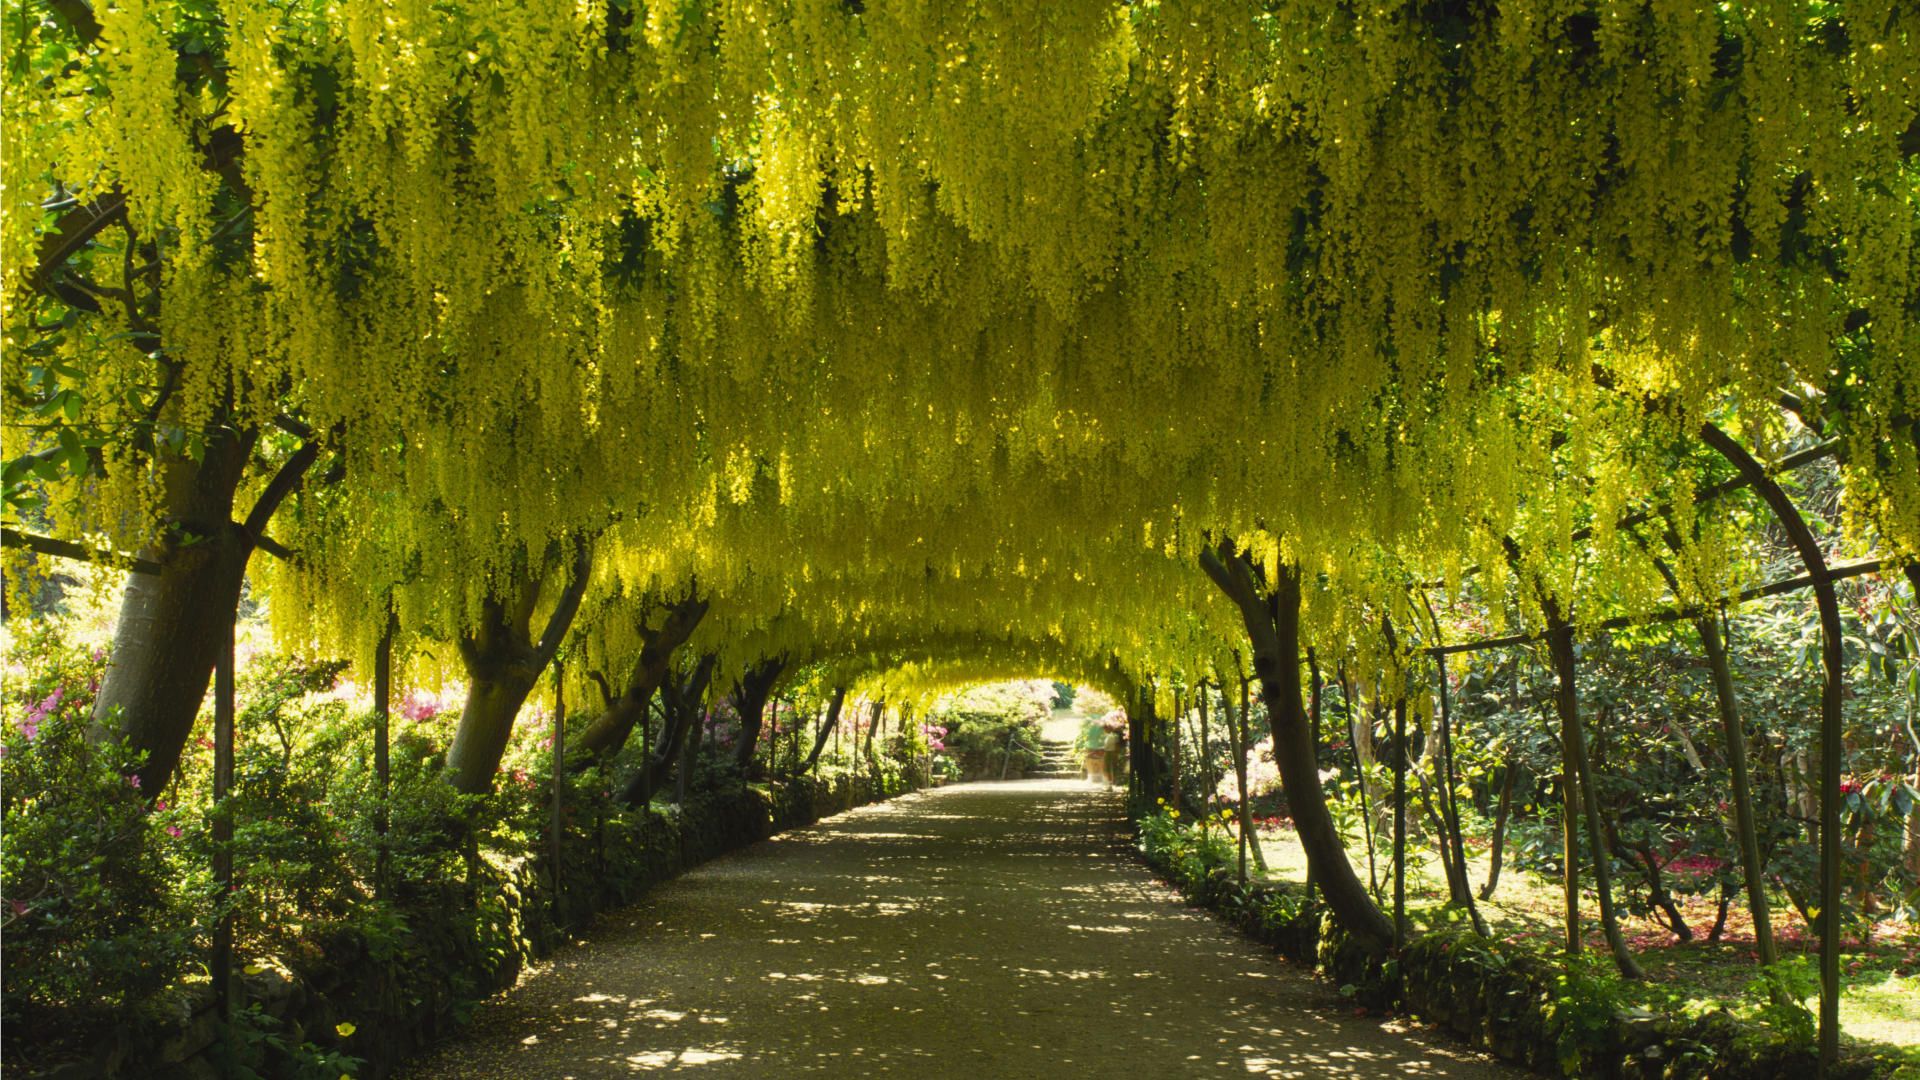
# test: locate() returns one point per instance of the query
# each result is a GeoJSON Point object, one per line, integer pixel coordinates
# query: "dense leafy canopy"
{"type": "Point", "coordinates": [924, 331]}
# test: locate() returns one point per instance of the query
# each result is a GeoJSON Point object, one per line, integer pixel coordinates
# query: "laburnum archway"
{"type": "Point", "coordinates": [1117, 339]}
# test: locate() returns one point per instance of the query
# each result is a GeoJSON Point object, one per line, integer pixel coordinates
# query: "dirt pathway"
{"type": "Point", "coordinates": [981, 931]}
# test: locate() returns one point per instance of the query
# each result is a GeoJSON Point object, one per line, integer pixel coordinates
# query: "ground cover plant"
{"type": "Point", "coordinates": [1660, 770]}
{"type": "Point", "coordinates": [726, 375]}
{"type": "Point", "coordinates": [111, 903]}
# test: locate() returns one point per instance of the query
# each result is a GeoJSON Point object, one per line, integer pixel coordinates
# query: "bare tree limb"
{"type": "Point", "coordinates": [284, 483]}
{"type": "Point", "coordinates": [67, 549]}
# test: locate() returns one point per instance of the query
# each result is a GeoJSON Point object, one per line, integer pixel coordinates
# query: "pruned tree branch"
{"type": "Point", "coordinates": [67, 549]}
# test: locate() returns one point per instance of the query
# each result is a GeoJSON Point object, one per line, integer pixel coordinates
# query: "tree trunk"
{"type": "Point", "coordinates": [1497, 851]}
{"type": "Point", "coordinates": [1399, 822]}
{"type": "Point", "coordinates": [503, 662]}
{"type": "Point", "coordinates": [873, 724]}
{"type": "Point", "coordinates": [1142, 773]}
{"type": "Point", "coordinates": [750, 692]}
{"type": "Point", "coordinates": [1574, 750]}
{"type": "Point", "coordinates": [1745, 829]}
{"type": "Point", "coordinates": [1657, 892]}
{"type": "Point", "coordinates": [1272, 619]}
{"type": "Point", "coordinates": [1236, 734]}
{"type": "Point", "coordinates": [827, 727]}
{"type": "Point", "coordinates": [608, 733]}
{"type": "Point", "coordinates": [680, 710]}
{"type": "Point", "coordinates": [1459, 887]}
{"type": "Point", "coordinates": [171, 624]}
{"type": "Point", "coordinates": [1746, 832]}
{"type": "Point", "coordinates": [1362, 762]}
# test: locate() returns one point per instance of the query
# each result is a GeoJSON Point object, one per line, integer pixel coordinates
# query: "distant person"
{"type": "Point", "coordinates": [1093, 748]}
{"type": "Point", "coordinates": [1112, 749]}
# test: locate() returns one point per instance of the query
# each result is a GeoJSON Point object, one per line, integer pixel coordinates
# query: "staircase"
{"type": "Point", "coordinates": [1059, 761]}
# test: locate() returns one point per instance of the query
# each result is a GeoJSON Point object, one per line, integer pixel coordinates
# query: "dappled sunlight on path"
{"type": "Point", "coordinates": [985, 930]}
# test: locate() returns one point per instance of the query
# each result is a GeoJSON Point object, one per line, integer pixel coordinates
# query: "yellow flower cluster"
{"type": "Point", "coordinates": [958, 330]}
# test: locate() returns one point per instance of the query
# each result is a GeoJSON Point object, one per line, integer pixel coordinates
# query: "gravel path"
{"type": "Point", "coordinates": [978, 931]}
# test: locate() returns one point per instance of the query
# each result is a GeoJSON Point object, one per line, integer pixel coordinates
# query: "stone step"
{"type": "Point", "coordinates": [1056, 759]}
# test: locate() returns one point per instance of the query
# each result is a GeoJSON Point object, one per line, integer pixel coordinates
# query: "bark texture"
{"type": "Point", "coordinates": [503, 662]}
{"type": "Point", "coordinates": [172, 623]}
{"type": "Point", "coordinates": [750, 693]}
{"type": "Point", "coordinates": [1574, 748]}
{"type": "Point", "coordinates": [1272, 618]}
{"type": "Point", "coordinates": [607, 733]}
{"type": "Point", "coordinates": [680, 704]}
{"type": "Point", "coordinates": [827, 727]}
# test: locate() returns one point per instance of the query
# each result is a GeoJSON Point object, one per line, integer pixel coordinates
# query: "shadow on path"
{"type": "Point", "coordinates": [986, 930]}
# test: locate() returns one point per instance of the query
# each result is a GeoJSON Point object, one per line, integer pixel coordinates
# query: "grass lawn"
{"type": "Point", "coordinates": [1880, 1000]}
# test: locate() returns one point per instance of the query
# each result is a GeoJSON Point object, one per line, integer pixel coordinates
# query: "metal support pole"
{"type": "Point", "coordinates": [222, 962]}
{"type": "Point", "coordinates": [1831, 749]}
{"type": "Point", "coordinates": [382, 755]}
{"type": "Point", "coordinates": [559, 782]}
{"type": "Point", "coordinates": [1399, 822]}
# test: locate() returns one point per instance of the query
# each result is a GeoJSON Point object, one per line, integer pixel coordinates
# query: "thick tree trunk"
{"type": "Point", "coordinates": [750, 693]}
{"type": "Point", "coordinates": [169, 628]}
{"type": "Point", "coordinates": [1272, 620]}
{"type": "Point", "coordinates": [1313, 727]}
{"type": "Point", "coordinates": [503, 662]}
{"type": "Point", "coordinates": [827, 727]}
{"type": "Point", "coordinates": [1142, 779]}
{"type": "Point", "coordinates": [608, 733]}
{"type": "Point", "coordinates": [171, 624]}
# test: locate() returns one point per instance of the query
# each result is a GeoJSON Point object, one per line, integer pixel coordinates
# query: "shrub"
{"type": "Point", "coordinates": [94, 921]}
{"type": "Point", "coordinates": [1191, 850]}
